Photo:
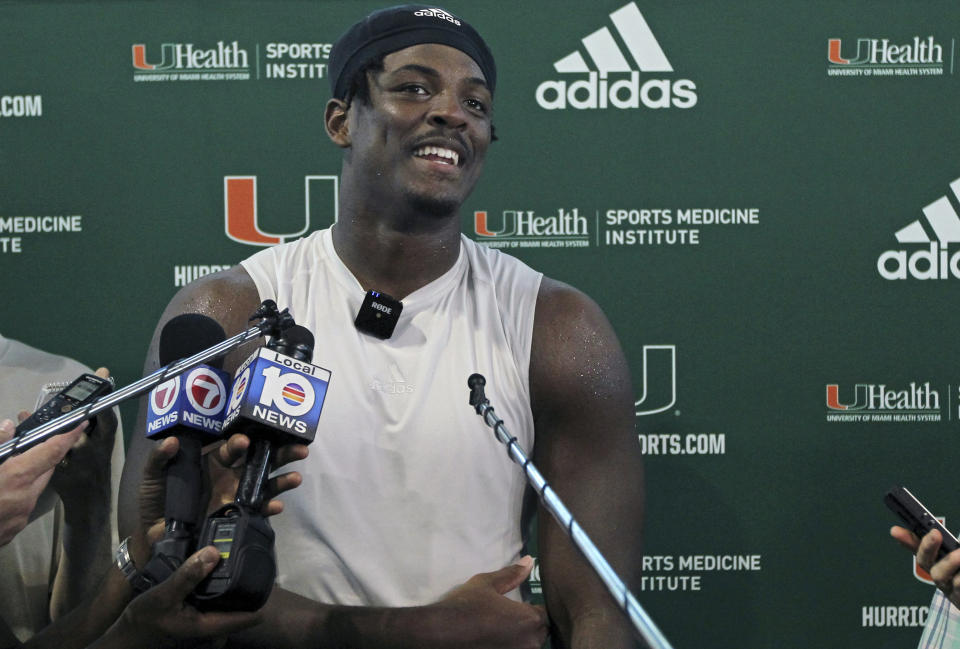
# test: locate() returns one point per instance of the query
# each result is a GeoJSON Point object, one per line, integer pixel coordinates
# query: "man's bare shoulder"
{"type": "Point", "coordinates": [216, 295]}
{"type": "Point", "coordinates": [230, 297]}
{"type": "Point", "coordinates": [566, 312]}
{"type": "Point", "coordinates": [575, 351]}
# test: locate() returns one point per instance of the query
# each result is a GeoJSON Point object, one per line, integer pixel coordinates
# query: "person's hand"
{"type": "Point", "coordinates": [230, 453]}
{"type": "Point", "coordinates": [226, 467]}
{"type": "Point", "coordinates": [162, 614]}
{"type": "Point", "coordinates": [85, 471]}
{"type": "Point", "coordinates": [945, 573]}
{"type": "Point", "coordinates": [23, 477]}
{"type": "Point", "coordinates": [479, 610]}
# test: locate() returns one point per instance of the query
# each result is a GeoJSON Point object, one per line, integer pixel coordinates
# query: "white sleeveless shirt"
{"type": "Point", "coordinates": [406, 492]}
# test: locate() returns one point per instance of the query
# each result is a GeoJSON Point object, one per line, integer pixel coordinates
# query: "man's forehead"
{"type": "Point", "coordinates": [435, 58]}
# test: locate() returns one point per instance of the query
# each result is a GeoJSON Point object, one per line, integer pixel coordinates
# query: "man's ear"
{"type": "Point", "coordinates": [336, 122]}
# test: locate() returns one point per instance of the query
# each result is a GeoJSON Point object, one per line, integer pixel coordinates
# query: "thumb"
{"type": "Point", "coordinates": [159, 457]}
{"type": "Point", "coordinates": [509, 577]}
{"type": "Point", "coordinates": [182, 582]}
{"type": "Point", "coordinates": [7, 429]}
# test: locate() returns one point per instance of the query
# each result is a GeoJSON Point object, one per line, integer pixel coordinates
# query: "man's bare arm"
{"type": "Point", "coordinates": [586, 448]}
{"type": "Point", "coordinates": [229, 297]}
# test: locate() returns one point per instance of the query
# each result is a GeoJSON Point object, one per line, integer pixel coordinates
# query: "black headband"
{"type": "Point", "coordinates": [395, 28]}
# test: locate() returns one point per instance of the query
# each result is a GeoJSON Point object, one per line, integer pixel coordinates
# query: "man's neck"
{"type": "Point", "coordinates": [392, 257]}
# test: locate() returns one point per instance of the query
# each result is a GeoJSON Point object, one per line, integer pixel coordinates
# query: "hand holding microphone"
{"type": "Point", "coordinates": [276, 400]}
{"type": "Point", "coordinates": [189, 406]}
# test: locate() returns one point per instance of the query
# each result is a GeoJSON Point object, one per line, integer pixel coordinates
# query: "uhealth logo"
{"type": "Point", "coordinates": [526, 229]}
{"type": "Point", "coordinates": [186, 56]}
{"type": "Point", "coordinates": [612, 82]}
{"type": "Point", "coordinates": [883, 57]}
{"type": "Point", "coordinates": [927, 257]}
{"type": "Point", "coordinates": [879, 402]}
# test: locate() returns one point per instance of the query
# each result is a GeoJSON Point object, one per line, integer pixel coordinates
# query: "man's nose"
{"type": "Point", "coordinates": [447, 110]}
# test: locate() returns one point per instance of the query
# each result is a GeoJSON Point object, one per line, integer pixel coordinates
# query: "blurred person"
{"type": "Point", "coordinates": [56, 560]}
{"type": "Point", "coordinates": [942, 629]}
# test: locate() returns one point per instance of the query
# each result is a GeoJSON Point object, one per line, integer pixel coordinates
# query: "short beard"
{"type": "Point", "coordinates": [434, 206]}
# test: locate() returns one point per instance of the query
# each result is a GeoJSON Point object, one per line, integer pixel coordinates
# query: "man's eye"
{"type": "Point", "coordinates": [413, 88]}
{"type": "Point", "coordinates": [477, 105]}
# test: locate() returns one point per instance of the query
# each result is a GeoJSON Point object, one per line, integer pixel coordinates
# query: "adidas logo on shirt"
{"type": "Point", "coordinates": [933, 260]}
{"type": "Point", "coordinates": [612, 80]}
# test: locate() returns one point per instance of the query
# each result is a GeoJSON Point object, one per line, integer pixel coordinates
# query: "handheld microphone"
{"type": "Point", "coordinates": [190, 406]}
{"type": "Point", "coordinates": [276, 399]}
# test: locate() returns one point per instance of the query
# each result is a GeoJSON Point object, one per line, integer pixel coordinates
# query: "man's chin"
{"type": "Point", "coordinates": [435, 205]}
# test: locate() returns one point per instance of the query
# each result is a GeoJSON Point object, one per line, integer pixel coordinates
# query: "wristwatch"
{"type": "Point", "coordinates": [125, 563]}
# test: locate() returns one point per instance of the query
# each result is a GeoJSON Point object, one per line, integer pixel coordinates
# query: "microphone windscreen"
{"type": "Point", "coordinates": [188, 334]}
{"type": "Point", "coordinates": [296, 342]}
{"type": "Point", "coordinates": [299, 335]}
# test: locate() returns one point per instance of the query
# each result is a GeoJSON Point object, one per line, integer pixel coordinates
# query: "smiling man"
{"type": "Point", "coordinates": [409, 529]}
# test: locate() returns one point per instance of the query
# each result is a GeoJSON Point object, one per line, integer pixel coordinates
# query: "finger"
{"type": "Point", "coordinates": [182, 582]}
{"type": "Point", "coordinates": [276, 486]}
{"type": "Point", "coordinates": [905, 537]}
{"type": "Point", "coordinates": [542, 614]}
{"type": "Point", "coordinates": [927, 551]}
{"type": "Point", "coordinates": [944, 571]}
{"type": "Point", "coordinates": [44, 456]}
{"type": "Point", "coordinates": [7, 429]}
{"type": "Point", "coordinates": [160, 455]}
{"type": "Point", "coordinates": [284, 482]}
{"type": "Point", "coordinates": [508, 578]}
{"type": "Point", "coordinates": [106, 421]}
{"type": "Point", "coordinates": [233, 451]}
{"type": "Point", "coordinates": [103, 373]}
{"type": "Point", "coordinates": [289, 453]}
{"type": "Point", "coordinates": [216, 624]}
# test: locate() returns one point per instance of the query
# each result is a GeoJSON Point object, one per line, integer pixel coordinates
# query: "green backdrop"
{"type": "Point", "coordinates": [762, 196]}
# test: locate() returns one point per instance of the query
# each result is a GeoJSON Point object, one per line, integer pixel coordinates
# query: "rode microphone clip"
{"type": "Point", "coordinates": [378, 315]}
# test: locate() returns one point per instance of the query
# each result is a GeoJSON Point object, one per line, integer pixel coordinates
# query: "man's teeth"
{"type": "Point", "coordinates": [452, 156]}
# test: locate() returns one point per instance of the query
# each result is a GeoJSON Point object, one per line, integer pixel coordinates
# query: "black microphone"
{"type": "Point", "coordinates": [296, 343]}
{"type": "Point", "coordinates": [191, 407]}
{"type": "Point", "coordinates": [476, 383]}
{"type": "Point", "coordinates": [276, 399]}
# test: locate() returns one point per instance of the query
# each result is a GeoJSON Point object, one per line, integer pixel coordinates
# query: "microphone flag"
{"type": "Point", "coordinates": [282, 393]}
{"type": "Point", "coordinates": [197, 400]}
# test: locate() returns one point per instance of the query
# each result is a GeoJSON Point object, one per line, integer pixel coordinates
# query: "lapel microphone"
{"type": "Point", "coordinates": [378, 315]}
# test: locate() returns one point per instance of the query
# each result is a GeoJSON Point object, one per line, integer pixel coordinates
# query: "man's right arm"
{"type": "Point", "coordinates": [229, 297]}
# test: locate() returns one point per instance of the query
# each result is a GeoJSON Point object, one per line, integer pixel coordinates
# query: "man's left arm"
{"type": "Point", "coordinates": [586, 447]}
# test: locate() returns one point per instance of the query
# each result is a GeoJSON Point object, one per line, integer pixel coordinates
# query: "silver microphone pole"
{"type": "Point", "coordinates": [272, 323]}
{"type": "Point", "coordinates": [621, 594]}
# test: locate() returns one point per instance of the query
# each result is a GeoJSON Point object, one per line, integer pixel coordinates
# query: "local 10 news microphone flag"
{"type": "Point", "coordinates": [280, 392]}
